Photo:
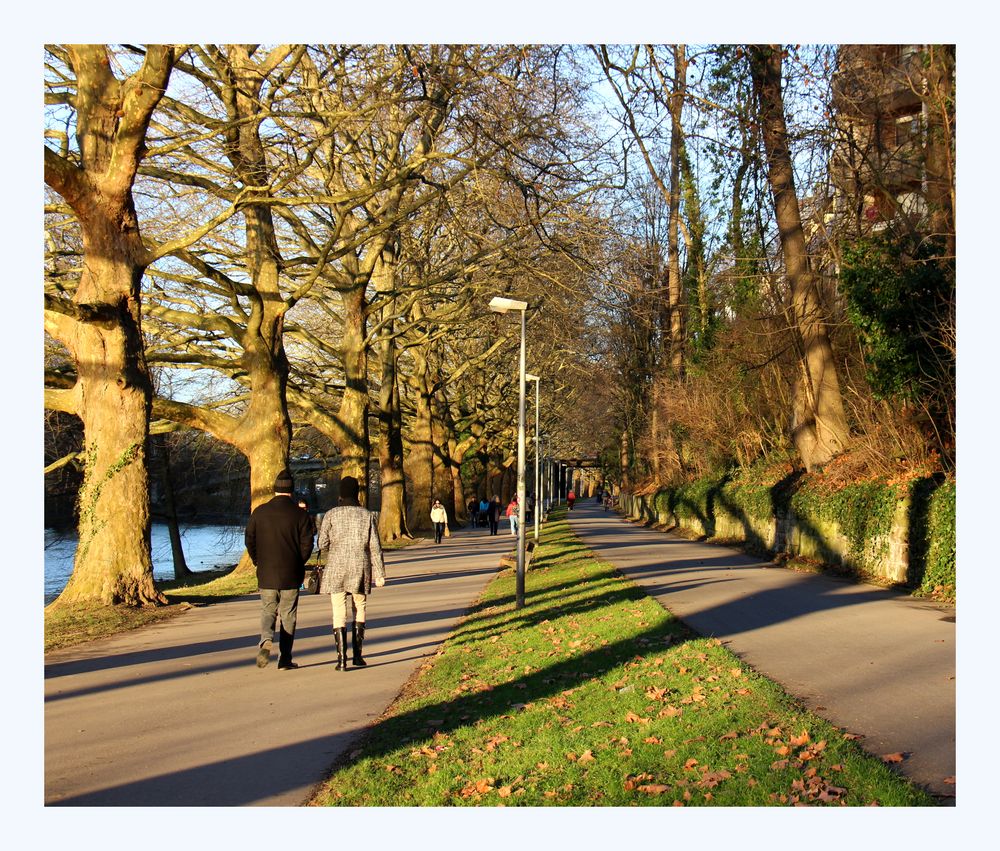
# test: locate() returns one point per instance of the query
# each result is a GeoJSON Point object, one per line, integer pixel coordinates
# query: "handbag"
{"type": "Point", "coordinates": [314, 575]}
{"type": "Point", "coordinates": [447, 531]}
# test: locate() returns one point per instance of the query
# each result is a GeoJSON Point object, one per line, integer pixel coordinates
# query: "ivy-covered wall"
{"type": "Point", "coordinates": [903, 534]}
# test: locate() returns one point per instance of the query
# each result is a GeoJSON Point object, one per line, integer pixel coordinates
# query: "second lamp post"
{"type": "Point", "coordinates": [499, 304]}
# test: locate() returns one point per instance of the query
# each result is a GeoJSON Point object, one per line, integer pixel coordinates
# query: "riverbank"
{"type": "Point", "coordinates": [208, 548]}
{"type": "Point", "coordinates": [68, 625]}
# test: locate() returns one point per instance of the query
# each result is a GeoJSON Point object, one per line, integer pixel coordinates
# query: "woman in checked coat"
{"type": "Point", "coordinates": [349, 536]}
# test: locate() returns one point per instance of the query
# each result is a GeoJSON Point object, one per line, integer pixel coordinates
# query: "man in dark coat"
{"type": "Point", "coordinates": [279, 539]}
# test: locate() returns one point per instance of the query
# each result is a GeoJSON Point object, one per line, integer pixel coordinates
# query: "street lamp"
{"type": "Point", "coordinates": [538, 501]}
{"type": "Point", "coordinates": [499, 304]}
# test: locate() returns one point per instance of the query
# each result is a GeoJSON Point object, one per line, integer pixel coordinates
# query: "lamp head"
{"type": "Point", "coordinates": [498, 304]}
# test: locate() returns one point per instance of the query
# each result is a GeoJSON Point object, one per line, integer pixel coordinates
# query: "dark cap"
{"type": "Point", "coordinates": [284, 482]}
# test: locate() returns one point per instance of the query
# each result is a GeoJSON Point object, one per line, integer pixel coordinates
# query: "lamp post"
{"type": "Point", "coordinates": [538, 506]}
{"type": "Point", "coordinates": [499, 304]}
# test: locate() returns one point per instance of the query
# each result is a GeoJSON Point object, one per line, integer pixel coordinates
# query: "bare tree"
{"type": "Point", "coordinates": [100, 323]}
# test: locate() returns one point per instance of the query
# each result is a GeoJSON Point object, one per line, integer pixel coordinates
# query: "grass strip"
{"type": "Point", "coordinates": [594, 695]}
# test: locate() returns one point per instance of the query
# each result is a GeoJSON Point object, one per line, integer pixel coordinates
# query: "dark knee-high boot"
{"type": "Point", "coordinates": [357, 642]}
{"type": "Point", "coordinates": [340, 636]}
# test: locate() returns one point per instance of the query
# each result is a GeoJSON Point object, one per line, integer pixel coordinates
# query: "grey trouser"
{"type": "Point", "coordinates": [282, 604]}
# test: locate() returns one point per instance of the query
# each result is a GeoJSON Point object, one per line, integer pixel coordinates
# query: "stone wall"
{"type": "Point", "coordinates": [885, 557]}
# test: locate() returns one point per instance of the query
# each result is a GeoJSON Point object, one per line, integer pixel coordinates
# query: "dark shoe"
{"type": "Point", "coordinates": [264, 654]}
{"type": "Point", "coordinates": [340, 636]}
{"type": "Point", "coordinates": [357, 641]}
{"type": "Point", "coordinates": [286, 666]}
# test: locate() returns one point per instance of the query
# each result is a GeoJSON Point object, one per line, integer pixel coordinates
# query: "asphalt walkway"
{"type": "Point", "coordinates": [877, 663]}
{"type": "Point", "coordinates": [178, 714]}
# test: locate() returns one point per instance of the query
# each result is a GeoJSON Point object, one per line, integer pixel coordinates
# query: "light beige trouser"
{"type": "Point", "coordinates": [338, 602]}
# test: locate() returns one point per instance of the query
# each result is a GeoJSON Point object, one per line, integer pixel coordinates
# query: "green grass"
{"type": "Point", "coordinates": [594, 695]}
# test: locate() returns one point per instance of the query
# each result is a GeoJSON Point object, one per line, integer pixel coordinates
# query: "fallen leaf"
{"type": "Point", "coordinates": [949, 780]}
{"type": "Point", "coordinates": [504, 791]}
{"type": "Point", "coordinates": [732, 734]}
{"type": "Point", "coordinates": [632, 718]}
{"type": "Point", "coordinates": [654, 788]}
{"type": "Point", "coordinates": [670, 753]}
{"type": "Point", "coordinates": [801, 739]}
{"type": "Point", "coordinates": [691, 763]}
{"type": "Point", "coordinates": [652, 740]}
{"type": "Point", "coordinates": [586, 756]}
{"type": "Point", "coordinates": [893, 757]}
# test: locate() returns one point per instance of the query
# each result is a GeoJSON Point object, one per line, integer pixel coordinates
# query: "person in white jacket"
{"type": "Point", "coordinates": [439, 517]}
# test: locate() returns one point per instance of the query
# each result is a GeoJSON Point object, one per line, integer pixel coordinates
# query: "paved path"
{"type": "Point", "coordinates": [178, 713]}
{"type": "Point", "coordinates": [874, 662]}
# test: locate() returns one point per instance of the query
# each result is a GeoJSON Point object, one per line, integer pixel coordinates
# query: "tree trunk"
{"type": "Point", "coordinates": [939, 108]}
{"type": "Point", "coordinates": [162, 452]}
{"type": "Point", "coordinates": [354, 404]}
{"type": "Point", "coordinates": [675, 290]}
{"type": "Point", "coordinates": [392, 514]}
{"type": "Point", "coordinates": [264, 431]}
{"type": "Point", "coordinates": [102, 331]}
{"type": "Point", "coordinates": [819, 426]}
{"type": "Point", "coordinates": [418, 464]}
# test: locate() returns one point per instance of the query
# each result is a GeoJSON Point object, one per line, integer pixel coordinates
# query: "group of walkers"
{"type": "Point", "coordinates": [279, 540]}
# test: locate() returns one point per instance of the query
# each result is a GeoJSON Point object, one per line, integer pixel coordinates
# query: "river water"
{"type": "Point", "coordinates": [205, 548]}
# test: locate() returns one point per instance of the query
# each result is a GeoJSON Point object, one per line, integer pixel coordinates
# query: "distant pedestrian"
{"type": "Point", "coordinates": [570, 499]}
{"type": "Point", "coordinates": [512, 514]}
{"type": "Point", "coordinates": [279, 540]}
{"type": "Point", "coordinates": [349, 537]}
{"type": "Point", "coordinates": [473, 509]}
{"type": "Point", "coordinates": [484, 511]}
{"type": "Point", "coordinates": [529, 509]}
{"type": "Point", "coordinates": [439, 517]}
{"type": "Point", "coordinates": [493, 514]}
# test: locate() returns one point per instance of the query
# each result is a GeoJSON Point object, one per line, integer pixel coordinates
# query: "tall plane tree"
{"type": "Point", "coordinates": [100, 323]}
